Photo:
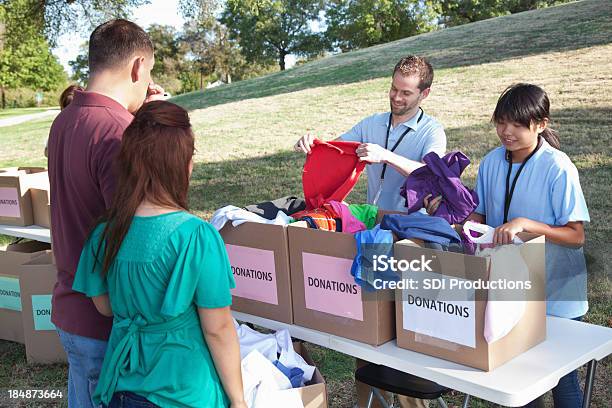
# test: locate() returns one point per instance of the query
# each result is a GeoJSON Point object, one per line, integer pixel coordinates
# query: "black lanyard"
{"type": "Point", "coordinates": [510, 190]}
{"type": "Point", "coordinates": [384, 170]}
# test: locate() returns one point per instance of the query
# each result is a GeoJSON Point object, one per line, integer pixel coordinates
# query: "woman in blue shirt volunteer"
{"type": "Point", "coordinates": [529, 185]}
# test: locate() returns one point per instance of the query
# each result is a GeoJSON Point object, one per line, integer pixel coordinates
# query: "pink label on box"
{"type": "Point", "coordinates": [254, 272]}
{"type": "Point", "coordinates": [9, 202]}
{"type": "Point", "coordinates": [329, 286]}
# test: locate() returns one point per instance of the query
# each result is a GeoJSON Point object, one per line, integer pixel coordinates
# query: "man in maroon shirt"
{"type": "Point", "coordinates": [83, 142]}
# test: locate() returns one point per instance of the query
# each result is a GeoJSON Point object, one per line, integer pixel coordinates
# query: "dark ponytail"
{"type": "Point", "coordinates": [526, 104]}
{"type": "Point", "coordinates": [552, 137]}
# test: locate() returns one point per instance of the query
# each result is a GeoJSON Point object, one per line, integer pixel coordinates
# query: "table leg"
{"type": "Point", "coordinates": [588, 384]}
{"type": "Point", "coordinates": [466, 401]}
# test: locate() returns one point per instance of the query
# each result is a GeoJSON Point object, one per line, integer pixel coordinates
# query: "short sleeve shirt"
{"type": "Point", "coordinates": [84, 141]}
{"type": "Point", "coordinates": [548, 191]}
{"type": "Point", "coordinates": [427, 135]}
{"type": "Point", "coordinates": [167, 265]}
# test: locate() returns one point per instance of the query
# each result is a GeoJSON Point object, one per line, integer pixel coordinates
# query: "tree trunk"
{"type": "Point", "coordinates": [3, 97]}
{"type": "Point", "coordinates": [201, 80]}
{"type": "Point", "coordinates": [281, 59]}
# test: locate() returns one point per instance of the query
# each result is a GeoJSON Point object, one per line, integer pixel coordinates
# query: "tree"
{"type": "Point", "coordinates": [215, 55]}
{"type": "Point", "coordinates": [80, 65]}
{"type": "Point", "coordinates": [55, 17]}
{"type": "Point", "coordinates": [51, 18]}
{"type": "Point", "coordinates": [26, 60]}
{"type": "Point", "coordinates": [363, 23]}
{"type": "Point", "coordinates": [169, 57]}
{"type": "Point", "coordinates": [271, 29]}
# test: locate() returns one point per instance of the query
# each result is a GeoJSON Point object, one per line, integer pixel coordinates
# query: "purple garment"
{"type": "Point", "coordinates": [350, 224]}
{"type": "Point", "coordinates": [469, 247]}
{"type": "Point", "coordinates": [441, 176]}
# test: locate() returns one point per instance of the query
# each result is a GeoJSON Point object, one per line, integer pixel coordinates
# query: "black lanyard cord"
{"type": "Point", "coordinates": [384, 169]}
{"type": "Point", "coordinates": [510, 190]}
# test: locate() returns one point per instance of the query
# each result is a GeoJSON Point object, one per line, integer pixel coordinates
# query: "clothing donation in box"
{"type": "Point", "coordinates": [15, 193]}
{"type": "Point", "coordinates": [478, 310]}
{"type": "Point", "coordinates": [323, 248]}
{"type": "Point", "coordinates": [11, 286]}
{"type": "Point", "coordinates": [256, 241]}
{"type": "Point", "coordinates": [38, 276]}
{"type": "Point", "coordinates": [277, 372]}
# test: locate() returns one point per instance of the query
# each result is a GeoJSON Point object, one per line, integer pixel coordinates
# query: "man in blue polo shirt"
{"type": "Point", "coordinates": [394, 143]}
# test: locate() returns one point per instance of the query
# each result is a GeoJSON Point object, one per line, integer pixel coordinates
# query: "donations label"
{"type": "Point", "coordinates": [254, 272]}
{"type": "Point", "coordinates": [10, 297]}
{"type": "Point", "coordinates": [41, 312]}
{"type": "Point", "coordinates": [9, 202]}
{"type": "Point", "coordinates": [446, 316]}
{"type": "Point", "coordinates": [329, 286]}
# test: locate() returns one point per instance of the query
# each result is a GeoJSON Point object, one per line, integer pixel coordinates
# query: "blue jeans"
{"type": "Point", "coordinates": [567, 393]}
{"type": "Point", "coordinates": [130, 400]}
{"type": "Point", "coordinates": [85, 356]}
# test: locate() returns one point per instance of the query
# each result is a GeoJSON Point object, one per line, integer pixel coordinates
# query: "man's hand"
{"type": "Point", "coordinates": [305, 143]}
{"type": "Point", "coordinates": [504, 234]}
{"type": "Point", "coordinates": [372, 153]}
{"type": "Point", "coordinates": [431, 205]}
{"type": "Point", "coordinates": [155, 93]}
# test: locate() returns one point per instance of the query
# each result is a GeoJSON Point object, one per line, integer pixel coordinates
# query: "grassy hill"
{"type": "Point", "coordinates": [564, 28]}
{"type": "Point", "coordinates": [245, 132]}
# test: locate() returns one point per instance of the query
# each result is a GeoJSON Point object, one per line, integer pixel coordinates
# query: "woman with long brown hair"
{"type": "Point", "coordinates": [165, 277]}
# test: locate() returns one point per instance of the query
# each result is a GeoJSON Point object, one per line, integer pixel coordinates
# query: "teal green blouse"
{"type": "Point", "coordinates": [167, 266]}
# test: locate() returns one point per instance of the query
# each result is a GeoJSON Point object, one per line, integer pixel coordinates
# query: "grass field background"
{"type": "Point", "coordinates": [245, 132]}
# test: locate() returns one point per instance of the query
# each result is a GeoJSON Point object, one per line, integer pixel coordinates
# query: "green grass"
{"type": "Point", "coordinates": [9, 113]}
{"type": "Point", "coordinates": [245, 132]}
{"type": "Point", "coordinates": [24, 144]}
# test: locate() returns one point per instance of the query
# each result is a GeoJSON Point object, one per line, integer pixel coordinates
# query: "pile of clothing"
{"type": "Point", "coordinates": [269, 365]}
{"type": "Point", "coordinates": [439, 177]}
{"type": "Point", "coordinates": [277, 212]}
{"type": "Point", "coordinates": [340, 217]}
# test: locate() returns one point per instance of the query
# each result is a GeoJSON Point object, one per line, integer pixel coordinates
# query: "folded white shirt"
{"type": "Point", "coordinates": [240, 216]}
{"type": "Point", "coordinates": [260, 377]}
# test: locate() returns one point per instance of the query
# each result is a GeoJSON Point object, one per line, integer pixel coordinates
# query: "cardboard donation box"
{"type": "Point", "coordinates": [41, 209]}
{"type": "Point", "coordinates": [259, 257]}
{"type": "Point", "coordinates": [38, 276]}
{"type": "Point", "coordinates": [325, 294]}
{"type": "Point", "coordinates": [11, 260]}
{"type": "Point", "coordinates": [445, 309]}
{"type": "Point", "coordinates": [314, 393]}
{"type": "Point", "coordinates": [15, 193]}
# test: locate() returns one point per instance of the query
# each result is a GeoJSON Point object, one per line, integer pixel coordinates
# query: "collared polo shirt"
{"type": "Point", "coordinates": [427, 135]}
{"type": "Point", "coordinates": [84, 141]}
{"type": "Point", "coordinates": [548, 191]}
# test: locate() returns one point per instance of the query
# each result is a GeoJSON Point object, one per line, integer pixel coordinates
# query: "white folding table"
{"type": "Point", "coordinates": [568, 346]}
{"type": "Point", "coordinates": [34, 232]}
